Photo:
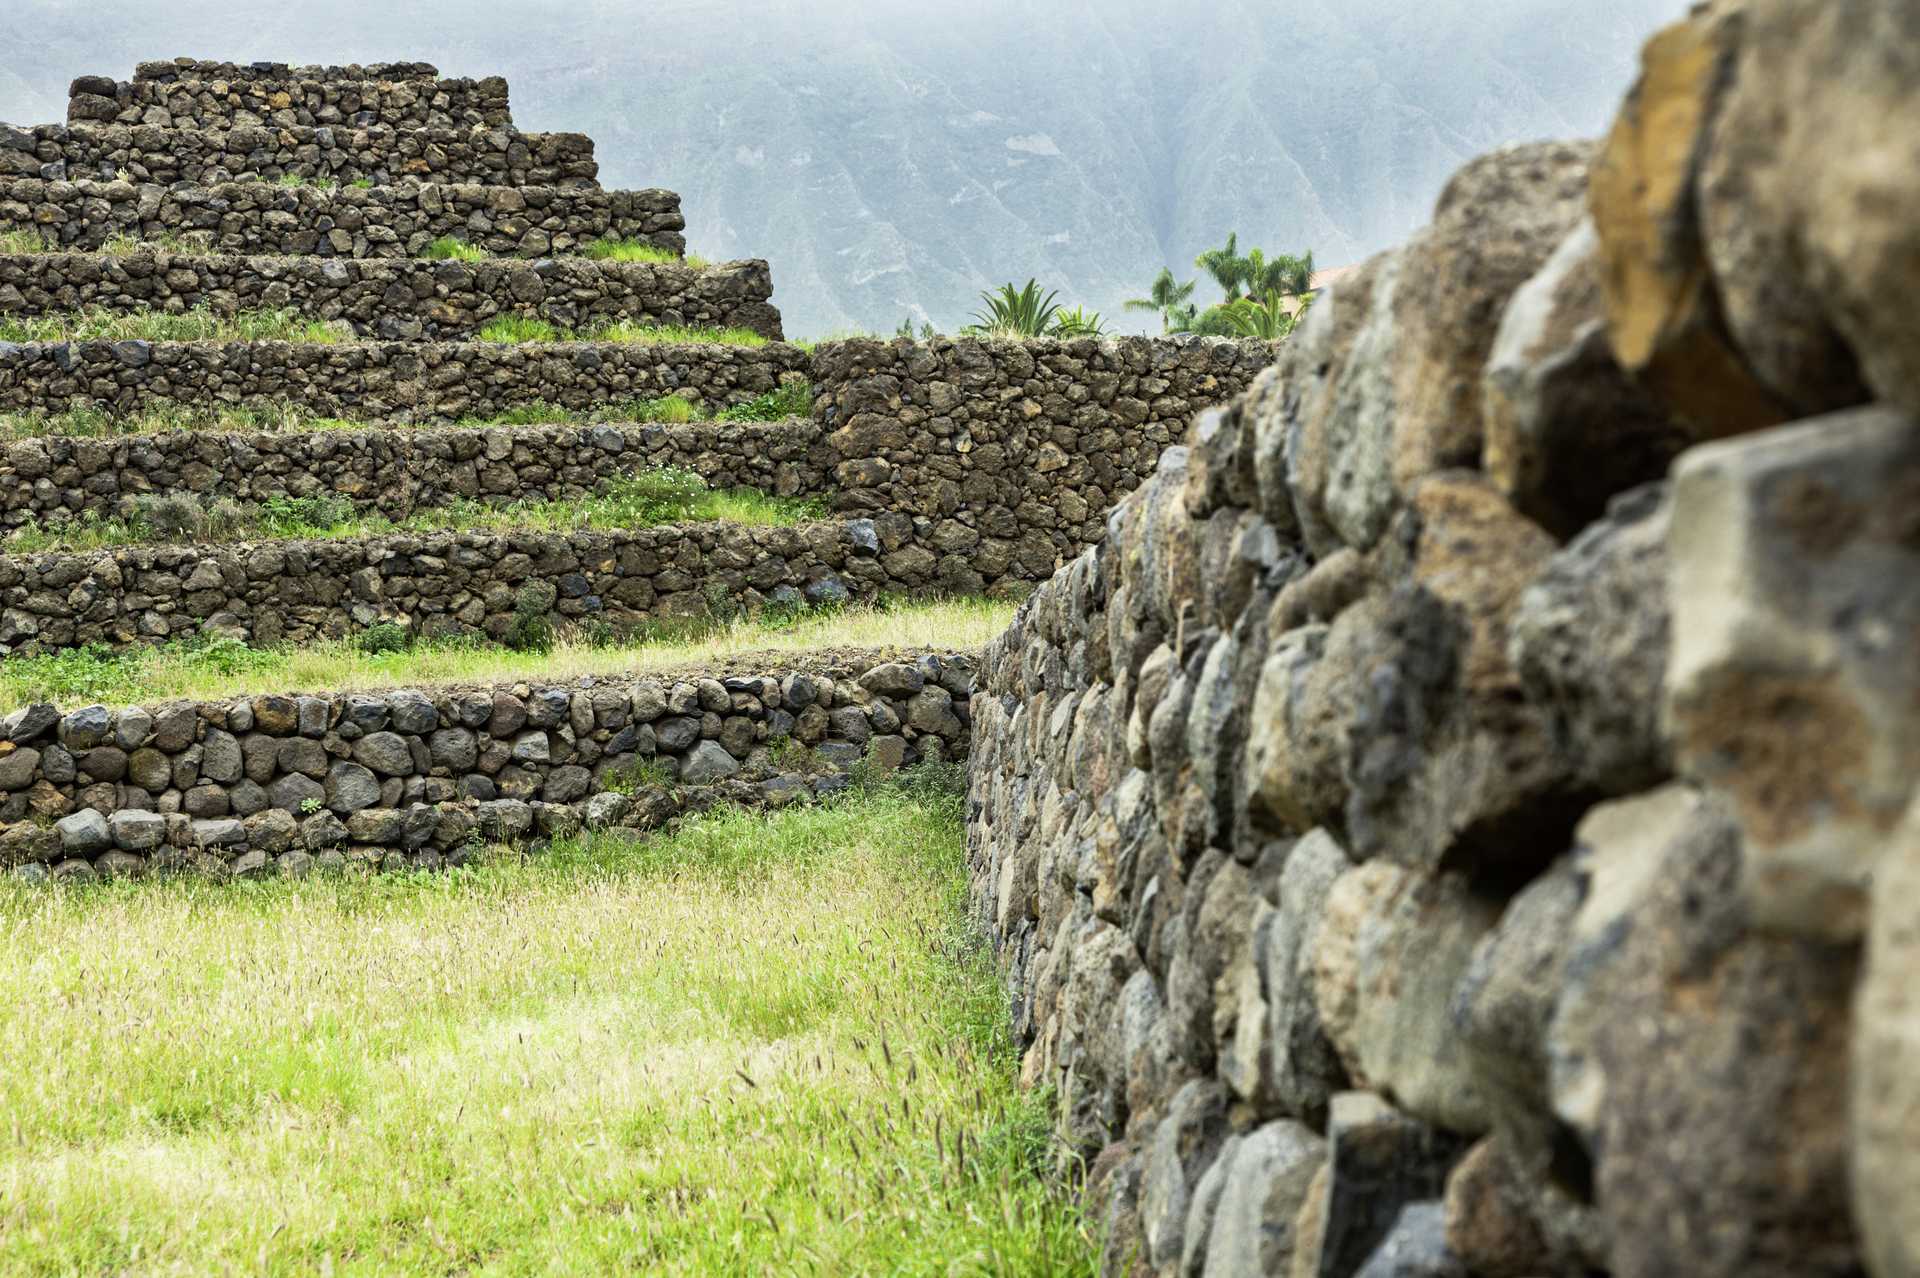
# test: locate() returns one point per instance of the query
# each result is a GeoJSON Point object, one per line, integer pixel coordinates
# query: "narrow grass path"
{"type": "Point", "coordinates": [760, 1045]}
{"type": "Point", "coordinates": [211, 670]}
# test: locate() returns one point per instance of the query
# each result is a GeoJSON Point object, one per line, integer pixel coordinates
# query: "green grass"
{"type": "Point", "coordinates": [520, 328]}
{"type": "Point", "coordinates": [207, 670]}
{"type": "Point", "coordinates": [648, 498]}
{"type": "Point", "coordinates": [449, 248]}
{"type": "Point", "coordinates": [22, 241]}
{"type": "Point", "coordinates": [608, 249]}
{"type": "Point", "coordinates": [759, 1045]}
{"type": "Point", "coordinates": [201, 324]}
{"type": "Point", "coordinates": [794, 399]}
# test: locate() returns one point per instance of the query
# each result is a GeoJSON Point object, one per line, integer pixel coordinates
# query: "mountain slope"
{"type": "Point", "coordinates": [892, 160]}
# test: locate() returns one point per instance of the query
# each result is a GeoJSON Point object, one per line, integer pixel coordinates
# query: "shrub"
{"type": "Point", "coordinates": [793, 399]}
{"type": "Point", "coordinates": [383, 637]}
{"type": "Point", "coordinates": [450, 248]}
{"type": "Point", "coordinates": [532, 627]}
{"type": "Point", "coordinates": [172, 516]}
{"type": "Point", "coordinates": [1015, 312]}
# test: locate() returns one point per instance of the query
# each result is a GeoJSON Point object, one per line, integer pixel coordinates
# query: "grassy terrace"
{"type": "Point", "coordinates": [760, 1044]}
{"type": "Point", "coordinates": [795, 399]}
{"type": "Point", "coordinates": [210, 671]}
{"type": "Point", "coordinates": [647, 499]}
{"type": "Point", "coordinates": [202, 324]}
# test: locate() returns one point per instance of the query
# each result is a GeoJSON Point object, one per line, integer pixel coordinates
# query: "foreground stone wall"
{"type": "Point", "coordinates": [416, 779]}
{"type": "Point", "coordinates": [396, 471]}
{"type": "Point", "coordinates": [496, 156]}
{"type": "Point", "coordinates": [251, 101]}
{"type": "Point", "coordinates": [385, 222]}
{"type": "Point", "coordinates": [1433, 832]}
{"type": "Point", "coordinates": [446, 584]}
{"type": "Point", "coordinates": [398, 300]}
{"type": "Point", "coordinates": [374, 380]}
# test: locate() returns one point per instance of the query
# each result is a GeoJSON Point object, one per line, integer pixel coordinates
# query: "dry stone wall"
{"type": "Point", "coordinates": [402, 300]}
{"type": "Point", "coordinates": [443, 585]}
{"type": "Point", "coordinates": [417, 779]}
{"type": "Point", "coordinates": [167, 70]}
{"type": "Point", "coordinates": [255, 218]}
{"type": "Point", "coordinates": [1014, 451]}
{"type": "Point", "coordinates": [250, 101]}
{"type": "Point", "coordinates": [374, 380]}
{"type": "Point", "coordinates": [396, 471]}
{"type": "Point", "coordinates": [381, 156]}
{"type": "Point", "coordinates": [1434, 831]}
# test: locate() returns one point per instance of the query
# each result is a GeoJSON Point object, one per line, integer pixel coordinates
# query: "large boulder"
{"type": "Point", "coordinates": [1795, 670]}
{"type": "Point", "coordinates": [1700, 1066]}
{"type": "Point", "coordinates": [1886, 1067]}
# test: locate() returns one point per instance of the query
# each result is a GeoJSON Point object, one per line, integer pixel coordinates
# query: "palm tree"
{"type": "Point", "coordinates": [1228, 268]}
{"type": "Point", "coordinates": [1269, 318]}
{"type": "Point", "coordinates": [1283, 273]}
{"type": "Point", "coordinates": [1167, 296]}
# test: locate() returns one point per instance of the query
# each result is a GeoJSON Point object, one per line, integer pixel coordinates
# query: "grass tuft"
{"type": "Point", "coordinates": [608, 249]}
{"type": "Point", "coordinates": [450, 248]}
{"type": "Point", "coordinates": [22, 241]}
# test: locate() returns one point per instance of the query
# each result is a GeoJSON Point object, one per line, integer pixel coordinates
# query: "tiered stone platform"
{"type": "Point", "coordinates": [944, 468]}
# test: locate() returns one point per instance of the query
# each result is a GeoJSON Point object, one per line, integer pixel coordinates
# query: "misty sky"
{"type": "Point", "coordinates": [893, 157]}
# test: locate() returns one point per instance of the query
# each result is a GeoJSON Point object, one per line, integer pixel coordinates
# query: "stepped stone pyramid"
{"type": "Point", "coordinates": [326, 196]}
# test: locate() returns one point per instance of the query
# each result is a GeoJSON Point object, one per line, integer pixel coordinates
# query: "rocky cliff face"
{"type": "Point", "coordinates": [1460, 819]}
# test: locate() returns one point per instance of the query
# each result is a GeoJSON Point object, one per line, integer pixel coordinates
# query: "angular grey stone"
{"type": "Point", "coordinates": [412, 712]}
{"type": "Point", "coordinates": [219, 832]}
{"type": "Point", "coordinates": [350, 787]}
{"type": "Point", "coordinates": [133, 831]}
{"type": "Point", "coordinates": [18, 769]}
{"type": "Point", "coordinates": [292, 793]}
{"type": "Point", "coordinates": [132, 728]}
{"type": "Point", "coordinates": [29, 722]}
{"type": "Point", "coordinates": [532, 747]}
{"type": "Point", "coordinates": [84, 833]}
{"type": "Point", "coordinates": [220, 758]}
{"type": "Point", "coordinates": [384, 753]}
{"type": "Point", "coordinates": [895, 679]}
{"type": "Point", "coordinates": [455, 749]}
{"type": "Point", "coordinates": [85, 728]}
{"type": "Point", "coordinates": [1416, 1247]}
{"type": "Point", "coordinates": [605, 810]}
{"type": "Point", "coordinates": [706, 763]}
{"type": "Point", "coordinates": [272, 831]}
{"type": "Point", "coordinates": [1264, 1188]}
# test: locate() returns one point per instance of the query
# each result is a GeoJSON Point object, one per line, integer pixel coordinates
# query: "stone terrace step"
{"type": "Point", "coordinates": [378, 380]}
{"type": "Point", "coordinates": [403, 299]}
{"type": "Point", "coordinates": [381, 156]}
{"type": "Point", "coordinates": [381, 222]}
{"type": "Point", "coordinates": [284, 103]}
{"type": "Point", "coordinates": [399, 471]}
{"type": "Point", "coordinates": [403, 779]}
{"type": "Point", "coordinates": [211, 69]}
{"type": "Point", "coordinates": [445, 584]}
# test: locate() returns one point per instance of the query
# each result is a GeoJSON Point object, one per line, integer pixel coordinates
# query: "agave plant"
{"type": "Point", "coordinates": [1017, 312]}
{"type": "Point", "coordinates": [1078, 322]}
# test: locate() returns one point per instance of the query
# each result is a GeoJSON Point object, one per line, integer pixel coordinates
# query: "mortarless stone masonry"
{"type": "Point", "coordinates": [382, 221]}
{"type": "Point", "coordinates": [415, 779]}
{"type": "Point", "coordinates": [235, 102]}
{"type": "Point", "coordinates": [398, 299]}
{"type": "Point", "coordinates": [375, 380]}
{"type": "Point", "coordinates": [493, 156]}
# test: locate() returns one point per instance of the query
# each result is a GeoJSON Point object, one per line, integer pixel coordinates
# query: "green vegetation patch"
{"type": "Point", "coordinates": [661, 496]}
{"type": "Point", "coordinates": [200, 324]}
{"type": "Point", "coordinates": [387, 656]}
{"type": "Point", "coordinates": [792, 399]}
{"type": "Point", "coordinates": [520, 329]}
{"type": "Point", "coordinates": [762, 1044]}
{"type": "Point", "coordinates": [609, 249]}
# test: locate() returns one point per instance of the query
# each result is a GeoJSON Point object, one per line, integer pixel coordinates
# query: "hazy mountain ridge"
{"type": "Point", "coordinates": [890, 161]}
